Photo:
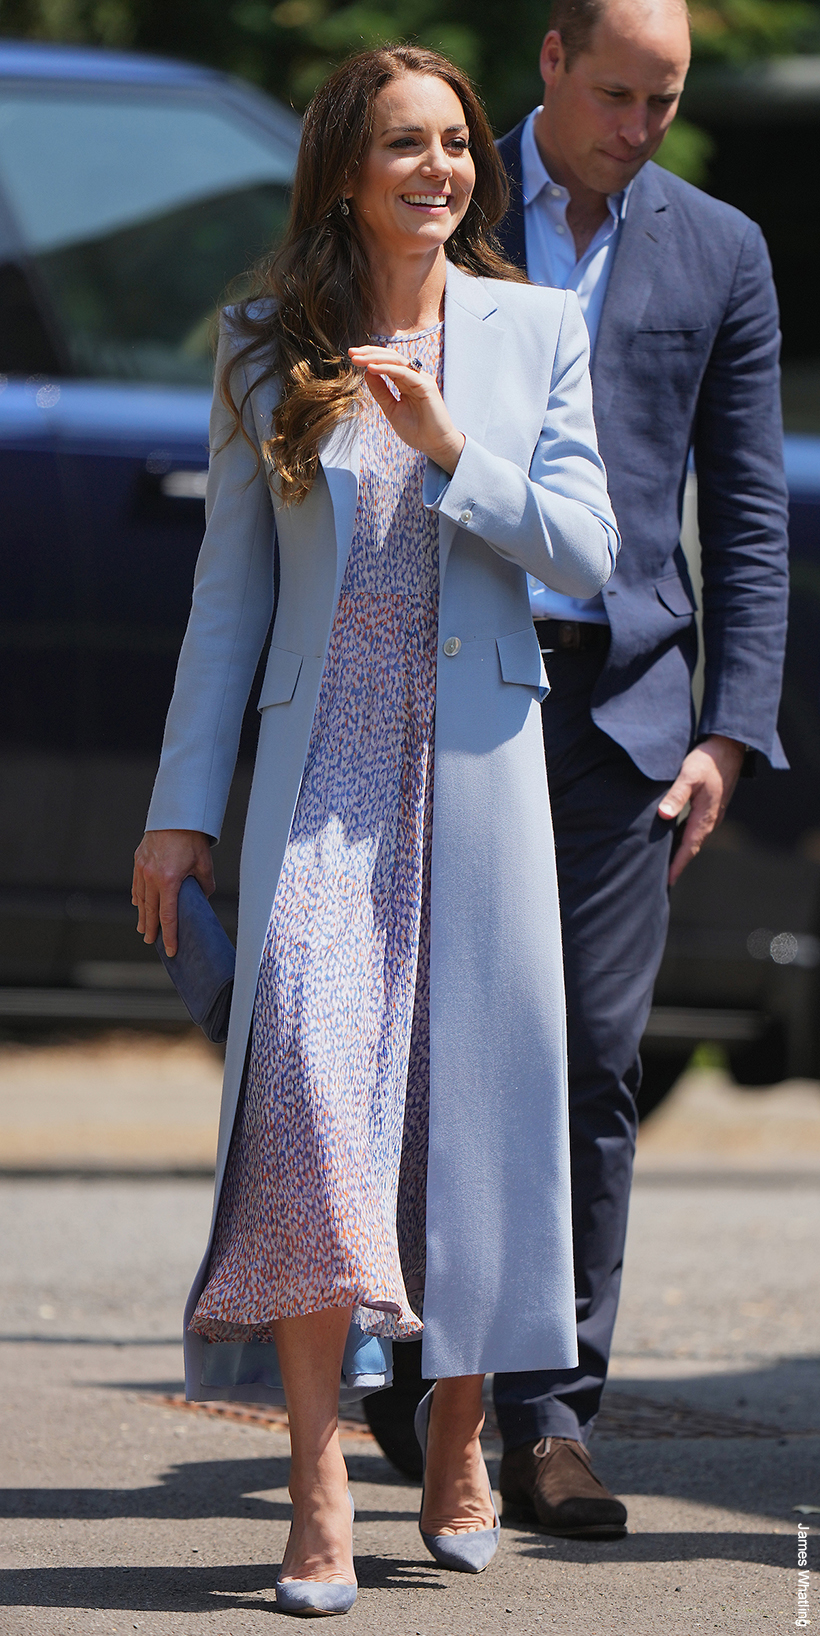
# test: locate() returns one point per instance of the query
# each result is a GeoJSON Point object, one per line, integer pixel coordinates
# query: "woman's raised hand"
{"type": "Point", "coordinates": [162, 861]}
{"type": "Point", "coordinates": [419, 415]}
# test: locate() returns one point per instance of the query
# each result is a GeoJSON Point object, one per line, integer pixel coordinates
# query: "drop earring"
{"type": "Point", "coordinates": [344, 206]}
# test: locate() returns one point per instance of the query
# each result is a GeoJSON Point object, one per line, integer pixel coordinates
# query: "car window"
{"type": "Point", "coordinates": [137, 211]}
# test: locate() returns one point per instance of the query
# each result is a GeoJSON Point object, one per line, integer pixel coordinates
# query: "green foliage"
{"type": "Point", "coordinates": [75, 22]}
{"type": "Point", "coordinates": [735, 32]}
{"type": "Point", "coordinates": [738, 31]}
{"type": "Point", "coordinates": [686, 150]}
{"type": "Point", "coordinates": [323, 34]}
{"type": "Point", "coordinates": [287, 48]}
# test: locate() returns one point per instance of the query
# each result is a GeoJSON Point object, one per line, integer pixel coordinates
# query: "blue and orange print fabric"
{"type": "Point", "coordinates": [323, 1203]}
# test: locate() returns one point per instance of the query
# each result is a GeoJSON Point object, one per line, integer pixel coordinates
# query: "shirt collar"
{"type": "Point", "coordinates": [535, 177]}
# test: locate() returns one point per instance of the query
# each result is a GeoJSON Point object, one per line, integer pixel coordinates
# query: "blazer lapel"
{"type": "Point", "coordinates": [511, 230]}
{"type": "Point", "coordinates": [472, 355]}
{"type": "Point", "coordinates": [638, 261]}
{"type": "Point", "coordinates": [472, 349]}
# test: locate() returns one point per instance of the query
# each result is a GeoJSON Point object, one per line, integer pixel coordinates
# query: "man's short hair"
{"type": "Point", "coordinates": [576, 20]}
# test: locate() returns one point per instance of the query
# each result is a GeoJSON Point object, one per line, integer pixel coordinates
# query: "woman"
{"type": "Point", "coordinates": [401, 1123]}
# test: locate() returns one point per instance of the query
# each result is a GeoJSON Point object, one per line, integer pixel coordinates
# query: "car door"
{"type": "Point", "coordinates": [128, 209]}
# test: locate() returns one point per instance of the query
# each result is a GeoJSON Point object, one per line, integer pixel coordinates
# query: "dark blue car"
{"type": "Point", "coordinates": [132, 193]}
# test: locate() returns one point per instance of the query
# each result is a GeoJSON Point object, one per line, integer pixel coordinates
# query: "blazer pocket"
{"type": "Point", "coordinates": [680, 338]}
{"type": "Point", "coordinates": [281, 676]}
{"type": "Point", "coordinates": [521, 663]}
{"type": "Point", "coordinates": [673, 594]}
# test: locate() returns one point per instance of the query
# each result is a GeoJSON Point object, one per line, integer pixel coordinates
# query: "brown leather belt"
{"type": "Point", "coordinates": [570, 635]}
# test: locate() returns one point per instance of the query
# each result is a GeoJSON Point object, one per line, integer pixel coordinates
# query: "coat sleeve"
{"type": "Point", "coordinates": [555, 521]}
{"type": "Point", "coordinates": [742, 512]}
{"type": "Point", "coordinates": [230, 616]}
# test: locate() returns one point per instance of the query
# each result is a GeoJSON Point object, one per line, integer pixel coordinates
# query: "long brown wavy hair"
{"type": "Point", "coordinates": [313, 298]}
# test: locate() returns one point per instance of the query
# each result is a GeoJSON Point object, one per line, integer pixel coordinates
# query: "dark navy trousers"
{"type": "Point", "coordinates": [613, 856]}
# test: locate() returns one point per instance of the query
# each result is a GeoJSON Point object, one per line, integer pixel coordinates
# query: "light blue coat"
{"type": "Point", "coordinates": [528, 495]}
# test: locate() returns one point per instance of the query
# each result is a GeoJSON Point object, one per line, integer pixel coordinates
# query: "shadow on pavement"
{"type": "Point", "coordinates": [212, 1488]}
{"type": "Point", "coordinates": [778, 1397]}
{"type": "Point", "coordinates": [770, 1550]}
{"type": "Point", "coordinates": [203, 1589]}
{"type": "Point", "coordinates": [185, 1590]}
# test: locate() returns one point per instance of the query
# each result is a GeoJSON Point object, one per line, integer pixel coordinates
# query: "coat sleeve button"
{"type": "Point", "coordinates": [452, 646]}
{"type": "Point", "coordinates": [465, 516]}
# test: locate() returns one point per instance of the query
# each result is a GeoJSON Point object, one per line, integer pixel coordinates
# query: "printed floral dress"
{"type": "Point", "coordinates": [323, 1203]}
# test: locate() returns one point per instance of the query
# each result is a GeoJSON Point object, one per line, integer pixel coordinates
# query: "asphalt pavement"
{"type": "Point", "coordinates": [121, 1509]}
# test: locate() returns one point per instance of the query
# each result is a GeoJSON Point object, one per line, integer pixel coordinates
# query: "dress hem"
{"type": "Point", "coordinates": [218, 1331]}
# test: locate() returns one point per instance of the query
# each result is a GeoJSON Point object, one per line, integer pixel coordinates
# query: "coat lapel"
{"type": "Point", "coordinates": [639, 259]}
{"type": "Point", "coordinates": [472, 352]}
{"type": "Point", "coordinates": [339, 458]}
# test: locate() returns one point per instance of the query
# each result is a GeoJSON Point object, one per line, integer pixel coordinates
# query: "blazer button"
{"type": "Point", "coordinates": [452, 646]}
{"type": "Point", "coordinates": [466, 516]}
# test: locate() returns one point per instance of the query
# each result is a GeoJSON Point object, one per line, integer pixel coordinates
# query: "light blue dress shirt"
{"type": "Point", "coordinates": [551, 259]}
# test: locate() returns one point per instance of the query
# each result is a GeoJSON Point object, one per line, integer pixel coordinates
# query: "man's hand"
{"type": "Point", "coordinates": [707, 780]}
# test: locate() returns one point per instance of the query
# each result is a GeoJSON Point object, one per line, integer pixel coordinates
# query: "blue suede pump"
{"type": "Point", "coordinates": [468, 1553]}
{"type": "Point", "coordinates": [310, 1598]}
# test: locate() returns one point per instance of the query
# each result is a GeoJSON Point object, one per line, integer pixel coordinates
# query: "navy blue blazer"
{"type": "Point", "coordinates": [687, 358]}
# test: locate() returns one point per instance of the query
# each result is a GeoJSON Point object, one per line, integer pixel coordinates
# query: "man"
{"type": "Point", "coordinates": [677, 293]}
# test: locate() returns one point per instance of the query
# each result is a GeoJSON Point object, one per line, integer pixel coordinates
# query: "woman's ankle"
{"type": "Point", "coordinates": [318, 1483]}
{"type": "Point", "coordinates": [312, 1498]}
{"type": "Point", "coordinates": [461, 1422]}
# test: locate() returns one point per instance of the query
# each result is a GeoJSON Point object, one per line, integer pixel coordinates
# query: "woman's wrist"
{"type": "Point", "coordinates": [448, 454]}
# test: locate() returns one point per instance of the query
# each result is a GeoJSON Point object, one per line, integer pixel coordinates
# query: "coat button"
{"type": "Point", "coordinates": [466, 516]}
{"type": "Point", "coordinates": [452, 646]}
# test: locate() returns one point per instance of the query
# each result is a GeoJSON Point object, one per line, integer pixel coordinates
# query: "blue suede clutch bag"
{"type": "Point", "coordinates": [202, 970]}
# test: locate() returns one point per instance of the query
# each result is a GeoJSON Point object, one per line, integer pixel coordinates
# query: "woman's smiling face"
{"type": "Point", "coordinates": [416, 180]}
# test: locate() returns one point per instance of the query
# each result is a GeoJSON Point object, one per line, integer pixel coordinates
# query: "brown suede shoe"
{"type": "Point", "coordinates": [552, 1487]}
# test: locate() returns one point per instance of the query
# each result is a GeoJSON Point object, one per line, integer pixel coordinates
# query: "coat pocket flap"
{"type": "Point", "coordinates": [281, 676]}
{"type": "Point", "coordinates": [673, 594]}
{"type": "Point", "coordinates": [520, 659]}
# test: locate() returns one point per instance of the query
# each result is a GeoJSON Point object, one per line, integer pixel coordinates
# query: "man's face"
{"type": "Point", "coordinates": [606, 115]}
